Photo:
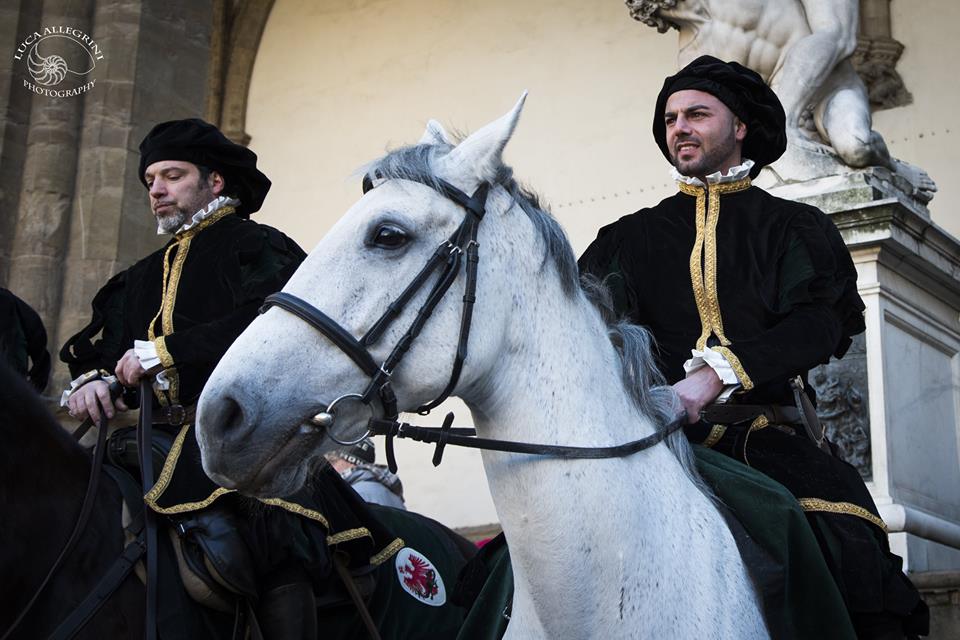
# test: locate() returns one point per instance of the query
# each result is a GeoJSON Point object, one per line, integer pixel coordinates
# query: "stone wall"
{"type": "Point", "coordinates": [72, 209]}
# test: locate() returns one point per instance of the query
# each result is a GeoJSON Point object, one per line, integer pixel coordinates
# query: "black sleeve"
{"type": "Point", "coordinates": [260, 263]}
{"type": "Point", "coordinates": [80, 352]}
{"type": "Point", "coordinates": [818, 294]}
{"type": "Point", "coordinates": [605, 261]}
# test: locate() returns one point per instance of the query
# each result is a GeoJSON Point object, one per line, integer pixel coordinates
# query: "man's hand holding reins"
{"type": "Point", "coordinates": [129, 370]}
{"type": "Point", "coordinates": [89, 399]}
{"type": "Point", "coordinates": [697, 390]}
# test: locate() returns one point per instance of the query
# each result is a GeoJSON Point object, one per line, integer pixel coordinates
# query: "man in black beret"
{"type": "Point", "coordinates": [172, 315]}
{"type": "Point", "coordinates": [745, 293]}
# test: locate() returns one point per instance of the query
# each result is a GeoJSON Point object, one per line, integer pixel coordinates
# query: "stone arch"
{"type": "Point", "coordinates": [237, 28]}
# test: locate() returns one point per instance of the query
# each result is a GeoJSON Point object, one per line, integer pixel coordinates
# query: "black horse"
{"type": "Point", "coordinates": [43, 475]}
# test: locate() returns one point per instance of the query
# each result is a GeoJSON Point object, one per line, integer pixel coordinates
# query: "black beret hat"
{"type": "Point", "coordinates": [745, 94]}
{"type": "Point", "coordinates": [201, 143]}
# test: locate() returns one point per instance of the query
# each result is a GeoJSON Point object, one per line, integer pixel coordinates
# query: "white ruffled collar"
{"type": "Point", "coordinates": [201, 215]}
{"type": "Point", "coordinates": [738, 172]}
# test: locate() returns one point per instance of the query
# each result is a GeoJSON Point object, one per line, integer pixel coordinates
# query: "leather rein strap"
{"type": "Point", "coordinates": [464, 437]}
{"type": "Point", "coordinates": [145, 448]}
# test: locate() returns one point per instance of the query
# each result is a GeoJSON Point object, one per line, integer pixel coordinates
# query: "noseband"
{"type": "Point", "coordinates": [447, 259]}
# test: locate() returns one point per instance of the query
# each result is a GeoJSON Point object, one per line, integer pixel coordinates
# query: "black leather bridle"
{"type": "Point", "coordinates": [447, 258]}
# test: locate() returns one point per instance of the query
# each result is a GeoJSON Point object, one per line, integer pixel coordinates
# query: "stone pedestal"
{"type": "Point", "coordinates": [894, 402]}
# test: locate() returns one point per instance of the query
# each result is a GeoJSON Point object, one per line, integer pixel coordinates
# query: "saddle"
{"type": "Point", "coordinates": [214, 563]}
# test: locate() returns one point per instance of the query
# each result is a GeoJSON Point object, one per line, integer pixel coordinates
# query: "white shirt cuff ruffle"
{"type": "Point", "coordinates": [147, 354]}
{"type": "Point", "coordinates": [78, 382]}
{"type": "Point", "coordinates": [720, 366]}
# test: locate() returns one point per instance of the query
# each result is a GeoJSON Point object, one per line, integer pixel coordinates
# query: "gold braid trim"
{"type": "Point", "coordinates": [168, 300]}
{"type": "Point", "coordinates": [703, 258]}
{"type": "Point", "coordinates": [165, 358]}
{"type": "Point", "coordinates": [816, 504]}
{"type": "Point", "coordinates": [348, 535]}
{"type": "Point", "coordinates": [190, 506]}
{"type": "Point", "coordinates": [758, 423]}
{"type": "Point", "coordinates": [716, 432]}
{"type": "Point", "coordinates": [171, 284]}
{"type": "Point", "coordinates": [696, 270]}
{"type": "Point", "coordinates": [164, 481]}
{"type": "Point", "coordinates": [151, 332]}
{"type": "Point", "coordinates": [738, 369]}
{"type": "Point", "coordinates": [293, 507]}
{"type": "Point", "coordinates": [389, 551]}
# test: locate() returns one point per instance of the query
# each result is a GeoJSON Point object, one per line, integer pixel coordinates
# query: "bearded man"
{"type": "Point", "coordinates": [744, 294]}
{"type": "Point", "coordinates": [172, 315]}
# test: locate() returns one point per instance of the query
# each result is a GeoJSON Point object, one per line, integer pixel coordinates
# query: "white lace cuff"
{"type": "Point", "coordinates": [720, 366]}
{"type": "Point", "coordinates": [83, 379]}
{"type": "Point", "coordinates": [147, 354]}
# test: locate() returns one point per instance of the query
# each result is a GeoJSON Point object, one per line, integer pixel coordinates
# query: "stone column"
{"type": "Point", "coordinates": [73, 209]}
{"type": "Point", "coordinates": [876, 57]}
{"type": "Point", "coordinates": [15, 105]}
{"type": "Point", "coordinates": [47, 187]}
{"type": "Point", "coordinates": [903, 391]}
{"type": "Point", "coordinates": [155, 69]}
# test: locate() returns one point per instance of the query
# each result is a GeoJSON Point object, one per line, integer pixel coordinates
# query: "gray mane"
{"type": "Point", "coordinates": [634, 344]}
{"type": "Point", "coordinates": [641, 377]}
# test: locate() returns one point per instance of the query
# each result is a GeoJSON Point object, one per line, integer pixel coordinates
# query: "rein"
{"type": "Point", "coordinates": [449, 253]}
{"type": "Point", "coordinates": [465, 437]}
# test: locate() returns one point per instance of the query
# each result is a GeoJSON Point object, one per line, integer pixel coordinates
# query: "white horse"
{"type": "Point", "coordinates": [626, 547]}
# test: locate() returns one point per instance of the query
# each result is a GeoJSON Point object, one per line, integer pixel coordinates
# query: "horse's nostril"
{"type": "Point", "coordinates": [232, 415]}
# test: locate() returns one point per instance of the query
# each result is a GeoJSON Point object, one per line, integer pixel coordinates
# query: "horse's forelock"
{"type": "Point", "coordinates": [422, 161]}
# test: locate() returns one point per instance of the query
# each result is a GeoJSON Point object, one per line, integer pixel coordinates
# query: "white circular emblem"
{"type": "Point", "coordinates": [420, 578]}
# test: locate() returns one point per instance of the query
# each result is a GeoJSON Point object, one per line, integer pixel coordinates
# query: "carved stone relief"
{"type": "Point", "coordinates": [842, 405]}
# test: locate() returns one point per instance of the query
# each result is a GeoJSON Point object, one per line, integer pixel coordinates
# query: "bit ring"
{"type": "Point", "coordinates": [326, 419]}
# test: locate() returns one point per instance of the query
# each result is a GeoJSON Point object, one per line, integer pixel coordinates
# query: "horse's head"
{"type": "Point", "coordinates": [254, 418]}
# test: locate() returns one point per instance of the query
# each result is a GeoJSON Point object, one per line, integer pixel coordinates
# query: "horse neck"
{"type": "Point", "coordinates": [558, 369]}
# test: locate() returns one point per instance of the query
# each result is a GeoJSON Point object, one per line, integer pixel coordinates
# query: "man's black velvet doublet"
{"type": "Point", "coordinates": [229, 268]}
{"type": "Point", "coordinates": [770, 285]}
{"type": "Point", "coordinates": [785, 284]}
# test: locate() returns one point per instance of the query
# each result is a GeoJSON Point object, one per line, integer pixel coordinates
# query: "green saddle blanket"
{"type": "Point", "coordinates": [799, 597]}
{"type": "Point", "coordinates": [414, 584]}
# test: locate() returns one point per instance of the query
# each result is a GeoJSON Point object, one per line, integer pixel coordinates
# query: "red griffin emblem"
{"type": "Point", "coordinates": [419, 577]}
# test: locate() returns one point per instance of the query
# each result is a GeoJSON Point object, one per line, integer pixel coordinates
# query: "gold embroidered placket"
{"type": "Point", "coordinates": [703, 268]}
{"type": "Point", "coordinates": [168, 300]}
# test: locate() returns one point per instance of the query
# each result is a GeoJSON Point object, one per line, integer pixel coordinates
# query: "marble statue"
{"type": "Point", "coordinates": [802, 48]}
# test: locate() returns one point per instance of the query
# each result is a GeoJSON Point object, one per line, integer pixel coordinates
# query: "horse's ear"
{"type": "Point", "coordinates": [480, 155]}
{"type": "Point", "coordinates": [435, 134]}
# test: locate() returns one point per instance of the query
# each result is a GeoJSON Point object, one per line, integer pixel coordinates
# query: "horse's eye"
{"type": "Point", "coordinates": [389, 236]}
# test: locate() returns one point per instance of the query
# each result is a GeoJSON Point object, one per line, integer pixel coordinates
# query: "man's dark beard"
{"type": "Point", "coordinates": [711, 160]}
{"type": "Point", "coordinates": [170, 223]}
